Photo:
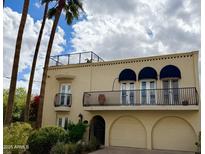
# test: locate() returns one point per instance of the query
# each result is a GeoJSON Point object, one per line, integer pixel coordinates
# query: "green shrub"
{"type": "Point", "coordinates": [76, 131]}
{"type": "Point", "coordinates": [70, 148]}
{"type": "Point", "coordinates": [79, 149]}
{"type": "Point", "coordinates": [16, 134]}
{"type": "Point", "coordinates": [61, 148]}
{"type": "Point", "coordinates": [94, 144]}
{"type": "Point", "coordinates": [42, 140]}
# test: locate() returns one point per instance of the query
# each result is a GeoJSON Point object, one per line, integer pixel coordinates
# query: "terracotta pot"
{"type": "Point", "coordinates": [101, 99]}
{"type": "Point", "coordinates": [185, 102]}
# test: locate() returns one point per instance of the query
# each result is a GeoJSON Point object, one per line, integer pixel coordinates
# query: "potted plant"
{"type": "Point", "coordinates": [101, 99]}
{"type": "Point", "coordinates": [185, 102]}
{"type": "Point", "coordinates": [198, 144]}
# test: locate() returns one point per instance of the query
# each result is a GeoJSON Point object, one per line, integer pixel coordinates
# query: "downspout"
{"type": "Point", "coordinates": [113, 84]}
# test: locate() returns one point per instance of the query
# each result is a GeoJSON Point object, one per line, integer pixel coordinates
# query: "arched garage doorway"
{"type": "Point", "coordinates": [97, 129]}
{"type": "Point", "coordinates": [173, 133]}
{"type": "Point", "coordinates": [128, 132]}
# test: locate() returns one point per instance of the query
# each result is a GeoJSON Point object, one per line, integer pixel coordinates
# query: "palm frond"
{"type": "Point", "coordinates": [69, 17]}
{"type": "Point", "coordinates": [79, 4]}
{"type": "Point", "coordinates": [74, 10]}
{"type": "Point", "coordinates": [51, 12]}
{"type": "Point", "coordinates": [47, 1]}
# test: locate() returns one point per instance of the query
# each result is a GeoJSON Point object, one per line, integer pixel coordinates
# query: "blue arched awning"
{"type": "Point", "coordinates": [127, 74]}
{"type": "Point", "coordinates": [170, 71]}
{"type": "Point", "coordinates": [147, 73]}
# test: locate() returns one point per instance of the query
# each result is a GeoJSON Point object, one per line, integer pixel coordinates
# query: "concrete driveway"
{"type": "Point", "coordinates": [122, 150]}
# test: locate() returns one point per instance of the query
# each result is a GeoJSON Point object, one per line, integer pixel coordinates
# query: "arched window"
{"type": "Point", "coordinates": [170, 75]}
{"type": "Point", "coordinates": [127, 75]}
{"type": "Point", "coordinates": [148, 77]}
{"type": "Point", "coordinates": [147, 73]}
{"type": "Point", "coordinates": [170, 71]}
{"type": "Point", "coordinates": [127, 79]}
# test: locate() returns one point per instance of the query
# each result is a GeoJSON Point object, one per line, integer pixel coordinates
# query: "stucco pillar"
{"type": "Point", "coordinates": [107, 126]}
{"type": "Point", "coordinates": [149, 139]}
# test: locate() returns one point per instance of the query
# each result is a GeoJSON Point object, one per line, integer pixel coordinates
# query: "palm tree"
{"type": "Point", "coordinates": [28, 98]}
{"type": "Point", "coordinates": [12, 89]}
{"type": "Point", "coordinates": [71, 8]}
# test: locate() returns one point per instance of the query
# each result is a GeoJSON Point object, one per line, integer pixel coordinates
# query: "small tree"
{"type": "Point", "coordinates": [34, 108]}
{"type": "Point", "coordinates": [19, 103]}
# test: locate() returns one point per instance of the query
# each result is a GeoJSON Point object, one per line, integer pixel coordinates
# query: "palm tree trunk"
{"type": "Point", "coordinates": [28, 98]}
{"type": "Point", "coordinates": [12, 89]}
{"type": "Point", "coordinates": [43, 82]}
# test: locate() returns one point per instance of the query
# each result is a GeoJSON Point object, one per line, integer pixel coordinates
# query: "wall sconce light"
{"type": "Point", "coordinates": [81, 117]}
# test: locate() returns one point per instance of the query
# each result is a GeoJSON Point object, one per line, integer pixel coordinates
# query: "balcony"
{"type": "Point", "coordinates": [62, 102]}
{"type": "Point", "coordinates": [147, 99]}
{"type": "Point", "coordinates": [75, 58]}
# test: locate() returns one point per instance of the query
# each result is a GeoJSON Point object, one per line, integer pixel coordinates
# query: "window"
{"type": "Point", "coordinates": [171, 91]}
{"type": "Point", "coordinates": [148, 92]}
{"type": "Point", "coordinates": [65, 90]}
{"type": "Point", "coordinates": [127, 93]}
{"type": "Point", "coordinates": [148, 77]}
{"type": "Point", "coordinates": [62, 121]}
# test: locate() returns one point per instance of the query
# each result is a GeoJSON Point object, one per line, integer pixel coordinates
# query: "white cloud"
{"type": "Point", "coordinates": [37, 4]}
{"type": "Point", "coordinates": [11, 22]}
{"type": "Point", "coordinates": [122, 29]}
{"type": "Point", "coordinates": [112, 29]}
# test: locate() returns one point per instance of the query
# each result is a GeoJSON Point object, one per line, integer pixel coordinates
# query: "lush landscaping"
{"type": "Point", "coordinates": [52, 139]}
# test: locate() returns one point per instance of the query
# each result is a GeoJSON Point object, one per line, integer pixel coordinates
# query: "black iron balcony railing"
{"type": "Point", "coordinates": [75, 58]}
{"type": "Point", "coordinates": [173, 96]}
{"type": "Point", "coordinates": [63, 99]}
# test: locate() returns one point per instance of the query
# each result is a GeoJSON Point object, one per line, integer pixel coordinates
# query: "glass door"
{"type": "Point", "coordinates": [123, 94]}
{"type": "Point", "coordinates": [128, 93]}
{"type": "Point", "coordinates": [148, 92]}
{"type": "Point", "coordinates": [65, 90]}
{"type": "Point", "coordinates": [175, 92]}
{"type": "Point", "coordinates": [171, 91]}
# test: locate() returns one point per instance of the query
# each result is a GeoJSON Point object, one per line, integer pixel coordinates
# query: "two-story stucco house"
{"type": "Point", "coordinates": [148, 102]}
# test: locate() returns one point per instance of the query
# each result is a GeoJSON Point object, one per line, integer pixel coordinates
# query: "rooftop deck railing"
{"type": "Point", "coordinates": [173, 96]}
{"type": "Point", "coordinates": [75, 58]}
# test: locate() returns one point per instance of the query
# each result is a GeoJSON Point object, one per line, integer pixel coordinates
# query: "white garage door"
{"type": "Point", "coordinates": [172, 133]}
{"type": "Point", "coordinates": [128, 132]}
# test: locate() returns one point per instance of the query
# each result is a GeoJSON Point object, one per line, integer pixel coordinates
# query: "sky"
{"type": "Point", "coordinates": [112, 29]}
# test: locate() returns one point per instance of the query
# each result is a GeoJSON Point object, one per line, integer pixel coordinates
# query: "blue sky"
{"type": "Point", "coordinates": [36, 13]}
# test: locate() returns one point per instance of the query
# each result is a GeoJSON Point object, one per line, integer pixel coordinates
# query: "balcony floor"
{"type": "Point", "coordinates": [145, 107]}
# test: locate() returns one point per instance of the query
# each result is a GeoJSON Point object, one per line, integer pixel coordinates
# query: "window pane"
{"type": "Point", "coordinates": [123, 93]}
{"type": "Point", "coordinates": [175, 92]}
{"type": "Point", "coordinates": [68, 89]}
{"type": "Point", "coordinates": [62, 100]}
{"type": "Point", "coordinates": [165, 84]}
{"type": "Point", "coordinates": [143, 85]}
{"type": "Point", "coordinates": [62, 88]}
{"type": "Point", "coordinates": [60, 122]}
{"type": "Point", "coordinates": [174, 83]}
{"type": "Point", "coordinates": [152, 85]}
{"type": "Point", "coordinates": [66, 123]}
{"type": "Point", "coordinates": [132, 86]}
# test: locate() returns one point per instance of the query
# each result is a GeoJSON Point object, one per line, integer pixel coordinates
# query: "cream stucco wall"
{"type": "Point", "coordinates": [100, 77]}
